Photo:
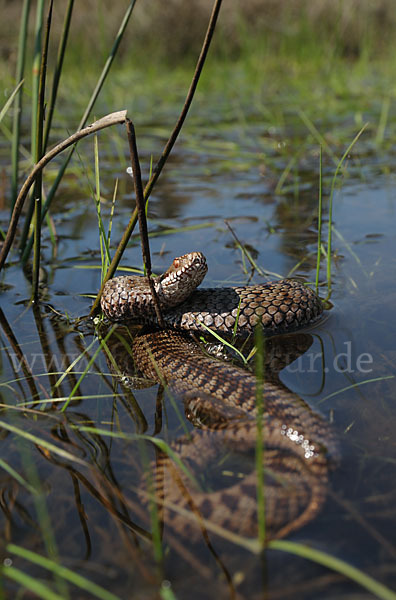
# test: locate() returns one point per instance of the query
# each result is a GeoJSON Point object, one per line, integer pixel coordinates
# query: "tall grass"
{"type": "Point", "coordinates": [38, 112]}
{"type": "Point", "coordinates": [260, 438]}
{"type": "Point", "coordinates": [337, 565]}
{"type": "Point", "coordinates": [104, 237]}
{"type": "Point", "coordinates": [330, 209]}
{"type": "Point", "coordinates": [57, 72]}
{"type": "Point", "coordinates": [40, 134]}
{"type": "Point", "coordinates": [36, 198]}
{"type": "Point", "coordinates": [37, 115]}
{"type": "Point", "coordinates": [61, 572]}
{"type": "Point", "coordinates": [319, 243]}
{"type": "Point", "coordinates": [18, 102]}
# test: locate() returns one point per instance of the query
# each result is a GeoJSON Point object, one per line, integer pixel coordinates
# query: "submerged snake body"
{"type": "Point", "coordinates": [299, 444]}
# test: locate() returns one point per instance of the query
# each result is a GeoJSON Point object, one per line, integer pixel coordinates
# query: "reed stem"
{"type": "Point", "coordinates": [16, 128]}
{"type": "Point", "coordinates": [39, 151]}
{"type": "Point", "coordinates": [319, 250]}
{"type": "Point", "coordinates": [141, 210]}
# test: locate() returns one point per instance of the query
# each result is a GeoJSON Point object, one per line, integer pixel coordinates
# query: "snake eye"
{"type": "Point", "coordinates": [176, 263]}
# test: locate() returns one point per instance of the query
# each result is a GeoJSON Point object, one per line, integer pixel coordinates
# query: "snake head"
{"type": "Point", "coordinates": [182, 278]}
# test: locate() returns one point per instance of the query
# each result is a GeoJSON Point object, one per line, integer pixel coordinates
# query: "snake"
{"type": "Point", "coordinates": [282, 306]}
{"type": "Point", "coordinates": [228, 406]}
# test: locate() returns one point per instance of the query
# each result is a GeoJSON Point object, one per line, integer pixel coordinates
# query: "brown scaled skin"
{"type": "Point", "coordinates": [299, 444]}
{"type": "Point", "coordinates": [280, 306]}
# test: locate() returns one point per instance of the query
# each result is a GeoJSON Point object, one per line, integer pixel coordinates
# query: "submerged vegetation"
{"type": "Point", "coordinates": [301, 94]}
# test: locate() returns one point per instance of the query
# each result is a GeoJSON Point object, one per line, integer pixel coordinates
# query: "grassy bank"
{"type": "Point", "coordinates": [267, 46]}
{"type": "Point", "coordinates": [173, 30]}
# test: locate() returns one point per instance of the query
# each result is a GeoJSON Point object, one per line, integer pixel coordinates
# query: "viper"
{"type": "Point", "coordinates": [222, 400]}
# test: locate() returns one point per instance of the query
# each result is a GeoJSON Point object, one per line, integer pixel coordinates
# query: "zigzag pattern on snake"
{"type": "Point", "coordinates": [221, 398]}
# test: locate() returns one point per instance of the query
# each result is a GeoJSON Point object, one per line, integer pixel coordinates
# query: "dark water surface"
{"type": "Point", "coordinates": [93, 518]}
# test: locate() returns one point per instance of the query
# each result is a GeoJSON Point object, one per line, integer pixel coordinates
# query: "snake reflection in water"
{"type": "Point", "coordinates": [220, 399]}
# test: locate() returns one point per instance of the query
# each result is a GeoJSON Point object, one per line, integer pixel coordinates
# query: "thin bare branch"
{"type": "Point", "coordinates": [141, 209]}
{"type": "Point", "coordinates": [112, 119]}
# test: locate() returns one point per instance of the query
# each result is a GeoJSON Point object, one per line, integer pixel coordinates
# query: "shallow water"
{"type": "Point", "coordinates": [97, 520]}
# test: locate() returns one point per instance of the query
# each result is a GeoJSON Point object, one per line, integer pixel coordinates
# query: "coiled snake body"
{"type": "Point", "coordinates": [280, 306]}
{"type": "Point", "coordinates": [222, 400]}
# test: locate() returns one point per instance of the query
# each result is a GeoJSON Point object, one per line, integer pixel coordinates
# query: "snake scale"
{"type": "Point", "coordinates": [221, 399]}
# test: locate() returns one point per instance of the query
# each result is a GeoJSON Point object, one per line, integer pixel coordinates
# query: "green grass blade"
{"type": "Point", "coordinates": [64, 572]}
{"type": "Point", "coordinates": [90, 362]}
{"type": "Point", "coordinates": [339, 165]}
{"type": "Point", "coordinates": [37, 153]}
{"type": "Point", "coordinates": [16, 126]}
{"type": "Point", "coordinates": [97, 201]}
{"type": "Point", "coordinates": [94, 96]}
{"type": "Point", "coordinates": [164, 447]}
{"type": "Point", "coordinates": [285, 173]}
{"type": "Point", "coordinates": [64, 398]}
{"type": "Point", "coordinates": [319, 250]}
{"type": "Point", "coordinates": [355, 385]}
{"type": "Point", "coordinates": [35, 120]}
{"type": "Point", "coordinates": [166, 591]}
{"type": "Point", "coordinates": [36, 75]}
{"type": "Point", "coordinates": [111, 223]}
{"type": "Point", "coordinates": [39, 500]}
{"type": "Point", "coordinates": [235, 328]}
{"type": "Point", "coordinates": [380, 136]}
{"type": "Point", "coordinates": [245, 251]}
{"type": "Point", "coordinates": [335, 564]}
{"type": "Point", "coordinates": [37, 246]}
{"type": "Point", "coordinates": [103, 243]}
{"type": "Point", "coordinates": [259, 453]}
{"type": "Point", "coordinates": [28, 583]}
{"type": "Point", "coordinates": [41, 442]}
{"type": "Point", "coordinates": [108, 63]}
{"type": "Point", "coordinates": [317, 135]}
{"type": "Point", "coordinates": [154, 509]}
{"type": "Point", "coordinates": [70, 368]}
{"type": "Point", "coordinates": [10, 100]}
{"type": "Point", "coordinates": [17, 476]}
{"type": "Point", "coordinates": [350, 250]}
{"type": "Point", "coordinates": [250, 544]}
{"type": "Point", "coordinates": [161, 444]}
{"type": "Point", "coordinates": [58, 71]}
{"type": "Point", "coordinates": [37, 195]}
{"type": "Point", "coordinates": [223, 341]}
